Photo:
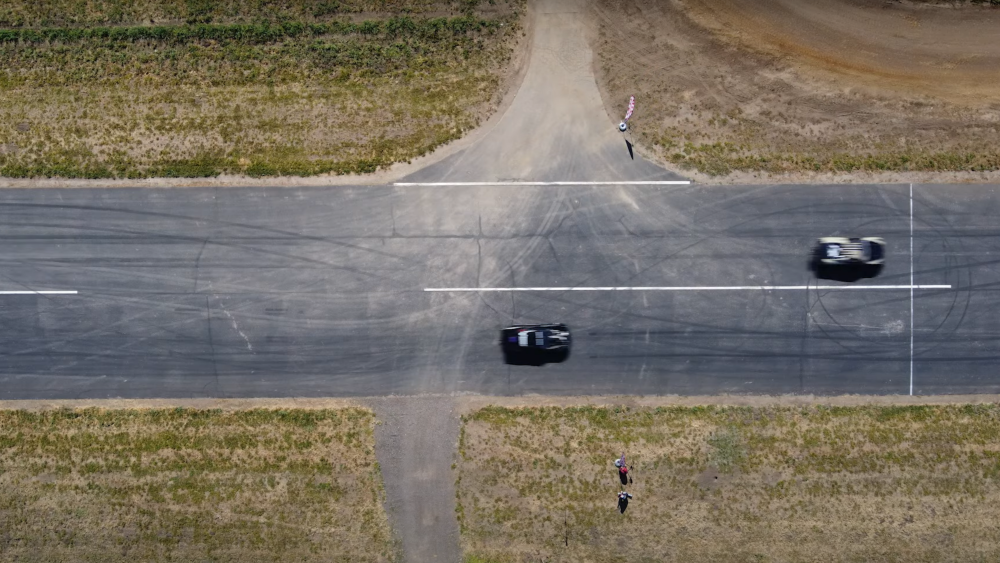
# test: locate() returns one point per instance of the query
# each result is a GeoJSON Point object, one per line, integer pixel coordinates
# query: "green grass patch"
{"type": "Point", "coordinates": [718, 484]}
{"type": "Point", "coordinates": [86, 13]}
{"type": "Point", "coordinates": [722, 158]}
{"type": "Point", "coordinates": [261, 98]}
{"type": "Point", "coordinates": [434, 29]}
{"type": "Point", "coordinates": [191, 485]}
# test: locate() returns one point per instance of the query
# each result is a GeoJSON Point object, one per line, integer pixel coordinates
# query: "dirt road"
{"type": "Point", "coordinates": [556, 128]}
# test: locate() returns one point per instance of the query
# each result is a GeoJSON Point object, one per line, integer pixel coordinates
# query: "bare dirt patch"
{"type": "Point", "coordinates": [792, 90]}
{"type": "Point", "coordinates": [191, 485]}
{"type": "Point", "coordinates": [738, 483]}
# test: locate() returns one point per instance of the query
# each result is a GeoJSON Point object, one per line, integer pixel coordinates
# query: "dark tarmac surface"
{"type": "Point", "coordinates": [318, 292]}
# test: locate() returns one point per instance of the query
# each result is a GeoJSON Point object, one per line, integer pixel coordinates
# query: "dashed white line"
{"type": "Point", "coordinates": [911, 287]}
{"type": "Point", "coordinates": [40, 292]}
{"type": "Point", "coordinates": [473, 184]}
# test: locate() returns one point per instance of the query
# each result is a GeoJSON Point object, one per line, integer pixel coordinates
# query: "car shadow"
{"type": "Point", "coordinates": [534, 357]}
{"type": "Point", "coordinates": [847, 273]}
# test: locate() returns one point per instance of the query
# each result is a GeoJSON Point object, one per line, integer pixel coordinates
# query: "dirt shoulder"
{"type": "Point", "coordinates": [466, 403]}
{"type": "Point", "coordinates": [742, 91]}
{"type": "Point", "coordinates": [768, 482]}
{"type": "Point", "coordinates": [471, 403]}
{"type": "Point", "coordinates": [200, 404]}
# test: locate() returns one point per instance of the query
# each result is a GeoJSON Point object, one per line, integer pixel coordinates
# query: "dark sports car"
{"type": "Point", "coordinates": [535, 344]}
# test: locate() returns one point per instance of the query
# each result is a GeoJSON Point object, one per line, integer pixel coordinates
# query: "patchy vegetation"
{"type": "Point", "coordinates": [778, 87]}
{"type": "Point", "coordinates": [191, 485]}
{"type": "Point", "coordinates": [195, 89]}
{"type": "Point", "coordinates": [54, 13]}
{"type": "Point", "coordinates": [720, 484]}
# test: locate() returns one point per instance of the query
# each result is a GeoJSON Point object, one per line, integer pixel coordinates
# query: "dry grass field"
{"type": "Point", "coordinates": [779, 87]}
{"type": "Point", "coordinates": [193, 88]}
{"type": "Point", "coordinates": [191, 485]}
{"type": "Point", "coordinates": [732, 484]}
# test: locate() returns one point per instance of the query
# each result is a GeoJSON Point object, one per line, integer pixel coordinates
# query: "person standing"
{"type": "Point", "coordinates": [622, 469]}
{"type": "Point", "coordinates": [623, 498]}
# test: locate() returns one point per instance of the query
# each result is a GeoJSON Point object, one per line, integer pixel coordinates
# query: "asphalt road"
{"type": "Point", "coordinates": [304, 292]}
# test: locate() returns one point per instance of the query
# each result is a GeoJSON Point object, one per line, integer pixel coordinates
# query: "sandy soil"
{"type": "Point", "coordinates": [780, 78]}
{"type": "Point", "coordinates": [911, 49]}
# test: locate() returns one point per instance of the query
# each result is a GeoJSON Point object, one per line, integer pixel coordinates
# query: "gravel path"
{"type": "Point", "coordinates": [415, 444]}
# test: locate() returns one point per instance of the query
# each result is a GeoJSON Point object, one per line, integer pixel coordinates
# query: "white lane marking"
{"type": "Point", "coordinates": [690, 288]}
{"type": "Point", "coordinates": [888, 329]}
{"type": "Point", "coordinates": [636, 183]}
{"type": "Point", "coordinates": [911, 289]}
{"type": "Point", "coordinates": [41, 292]}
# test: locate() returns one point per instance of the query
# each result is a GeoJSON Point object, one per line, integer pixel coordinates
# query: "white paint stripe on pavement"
{"type": "Point", "coordinates": [911, 291]}
{"type": "Point", "coordinates": [681, 288]}
{"type": "Point", "coordinates": [636, 183]}
{"type": "Point", "coordinates": [25, 292]}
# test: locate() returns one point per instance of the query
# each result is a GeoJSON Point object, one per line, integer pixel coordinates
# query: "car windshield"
{"type": "Point", "coordinates": [531, 338]}
{"type": "Point", "coordinates": [876, 252]}
{"type": "Point", "coordinates": [540, 338]}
